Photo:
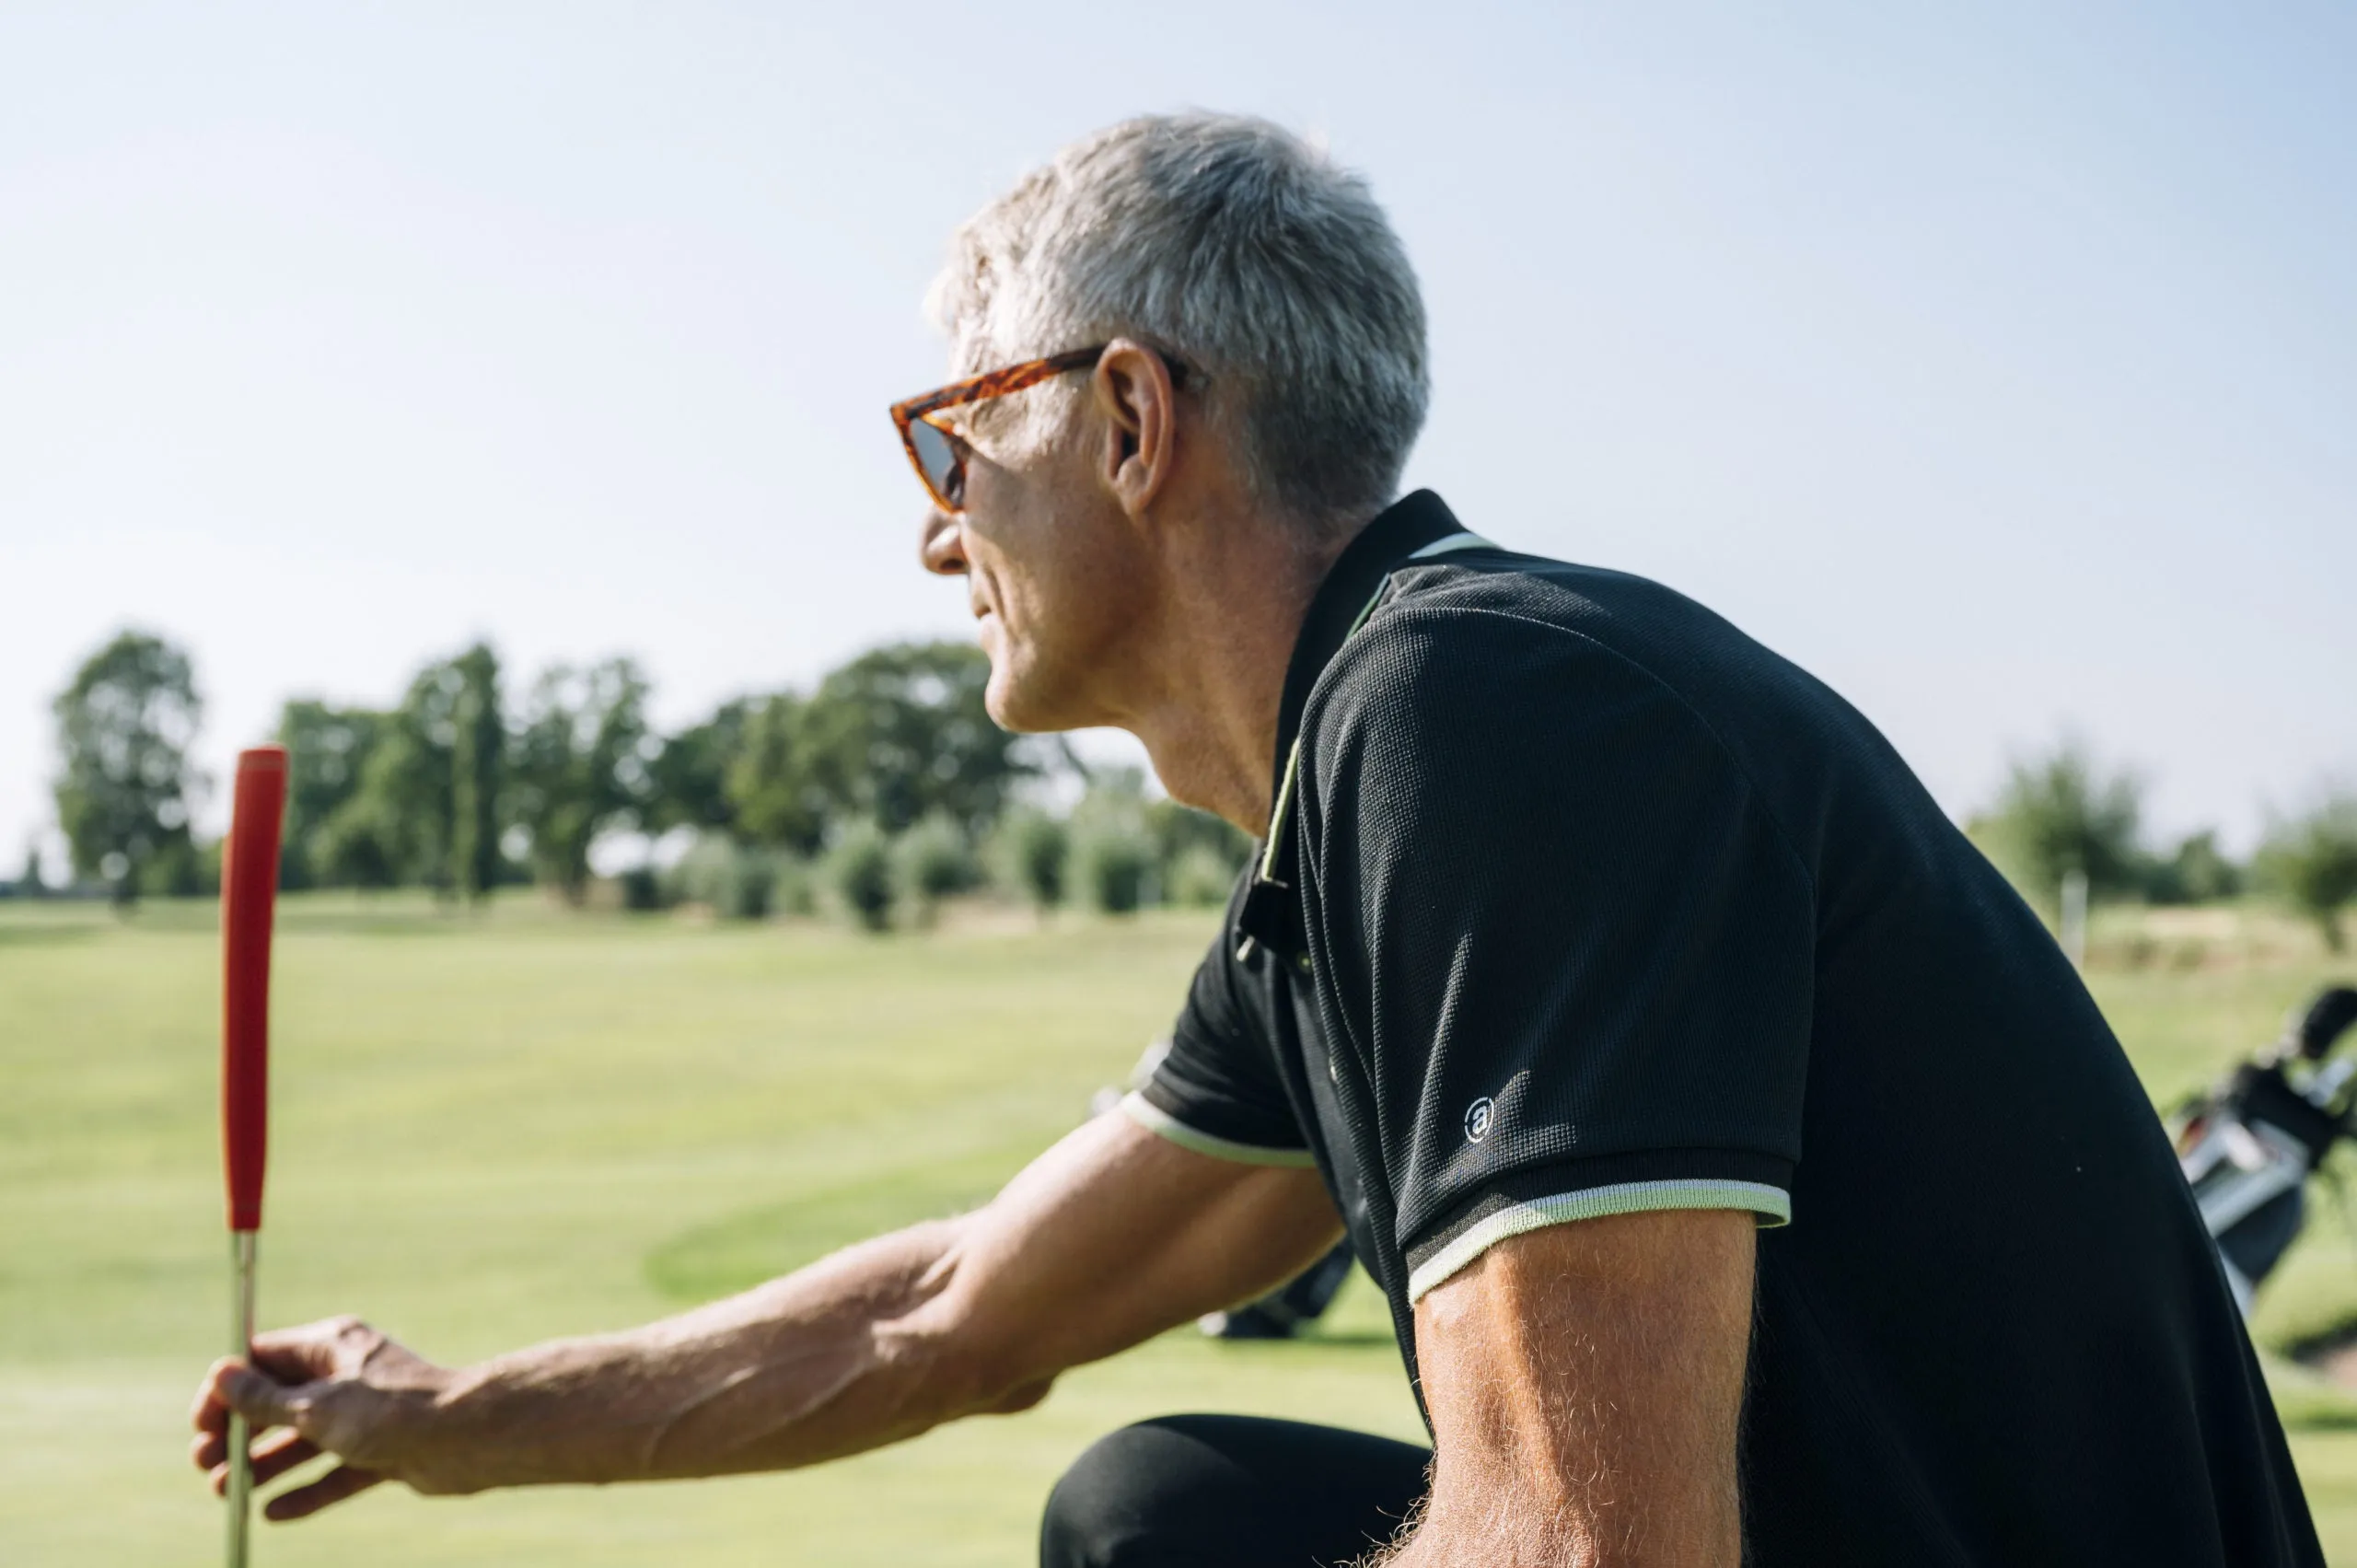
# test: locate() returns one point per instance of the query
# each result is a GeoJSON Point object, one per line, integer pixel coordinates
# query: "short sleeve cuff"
{"type": "Point", "coordinates": [1529, 1205]}
{"type": "Point", "coordinates": [1155, 1120]}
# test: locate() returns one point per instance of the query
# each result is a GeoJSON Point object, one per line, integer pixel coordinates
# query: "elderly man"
{"type": "Point", "coordinates": [1750, 1177]}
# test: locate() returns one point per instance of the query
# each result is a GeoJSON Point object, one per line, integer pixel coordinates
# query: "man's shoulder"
{"type": "Point", "coordinates": [1493, 629]}
{"type": "Point", "coordinates": [1536, 601]}
{"type": "Point", "coordinates": [1491, 666]}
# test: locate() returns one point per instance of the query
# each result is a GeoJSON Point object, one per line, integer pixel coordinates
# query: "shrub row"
{"type": "Point", "coordinates": [1114, 854]}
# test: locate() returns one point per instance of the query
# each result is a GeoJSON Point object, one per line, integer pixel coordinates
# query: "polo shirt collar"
{"type": "Point", "coordinates": [1410, 524]}
{"type": "Point", "coordinates": [1413, 526]}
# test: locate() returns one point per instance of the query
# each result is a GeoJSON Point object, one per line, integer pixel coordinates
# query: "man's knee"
{"type": "Point", "coordinates": [1243, 1492]}
{"type": "Point", "coordinates": [1115, 1502]}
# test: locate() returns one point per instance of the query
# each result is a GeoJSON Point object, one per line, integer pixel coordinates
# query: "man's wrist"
{"type": "Point", "coordinates": [461, 1433]}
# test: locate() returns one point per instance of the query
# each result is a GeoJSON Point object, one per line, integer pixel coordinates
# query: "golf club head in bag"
{"type": "Point", "coordinates": [2249, 1147]}
{"type": "Point", "coordinates": [2327, 1019]}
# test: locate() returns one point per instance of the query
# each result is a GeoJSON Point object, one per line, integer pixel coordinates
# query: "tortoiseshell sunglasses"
{"type": "Point", "coordinates": [939, 457]}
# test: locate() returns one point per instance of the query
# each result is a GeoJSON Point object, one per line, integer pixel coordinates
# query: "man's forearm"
{"type": "Point", "coordinates": [821, 1362]}
{"type": "Point", "coordinates": [1104, 1240]}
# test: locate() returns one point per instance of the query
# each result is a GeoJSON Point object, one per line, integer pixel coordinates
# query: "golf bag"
{"type": "Point", "coordinates": [2249, 1145]}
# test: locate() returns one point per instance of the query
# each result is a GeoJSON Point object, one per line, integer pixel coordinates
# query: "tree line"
{"type": "Point", "coordinates": [882, 789]}
{"type": "Point", "coordinates": [2064, 814]}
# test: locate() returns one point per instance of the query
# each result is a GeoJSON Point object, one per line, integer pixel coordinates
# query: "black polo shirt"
{"type": "Point", "coordinates": [1581, 902]}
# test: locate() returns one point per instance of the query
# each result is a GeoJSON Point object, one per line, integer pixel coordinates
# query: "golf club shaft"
{"type": "Point", "coordinates": [241, 1477]}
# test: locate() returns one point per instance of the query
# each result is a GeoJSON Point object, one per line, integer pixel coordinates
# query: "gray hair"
{"type": "Point", "coordinates": [1243, 252]}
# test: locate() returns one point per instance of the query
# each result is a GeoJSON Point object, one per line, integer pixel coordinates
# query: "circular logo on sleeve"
{"type": "Point", "coordinates": [1478, 1116]}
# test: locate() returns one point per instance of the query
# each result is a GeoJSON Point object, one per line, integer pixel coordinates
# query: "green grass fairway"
{"type": "Point", "coordinates": [492, 1130]}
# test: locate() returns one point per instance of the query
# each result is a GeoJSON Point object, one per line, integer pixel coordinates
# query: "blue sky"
{"type": "Point", "coordinates": [1997, 362]}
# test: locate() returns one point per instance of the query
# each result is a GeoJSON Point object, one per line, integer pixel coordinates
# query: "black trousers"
{"type": "Point", "coordinates": [1230, 1492]}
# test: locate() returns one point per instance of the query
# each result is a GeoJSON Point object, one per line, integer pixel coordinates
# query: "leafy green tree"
{"type": "Point", "coordinates": [581, 758]}
{"type": "Point", "coordinates": [901, 732]}
{"type": "Point", "coordinates": [361, 846]}
{"type": "Point", "coordinates": [326, 753]}
{"type": "Point", "coordinates": [897, 735]}
{"type": "Point", "coordinates": [401, 823]}
{"type": "Point", "coordinates": [125, 785]}
{"type": "Point", "coordinates": [183, 869]}
{"type": "Point", "coordinates": [2312, 860]}
{"type": "Point", "coordinates": [771, 791]}
{"type": "Point", "coordinates": [28, 881]}
{"type": "Point", "coordinates": [691, 773]}
{"type": "Point", "coordinates": [2061, 814]}
{"type": "Point", "coordinates": [2196, 872]}
{"type": "Point", "coordinates": [478, 766]}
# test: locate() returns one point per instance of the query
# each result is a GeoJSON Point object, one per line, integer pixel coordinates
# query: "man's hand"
{"type": "Point", "coordinates": [337, 1386]}
{"type": "Point", "coordinates": [1586, 1382]}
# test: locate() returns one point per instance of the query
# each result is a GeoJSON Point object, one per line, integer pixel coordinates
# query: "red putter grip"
{"type": "Point", "coordinates": [249, 895]}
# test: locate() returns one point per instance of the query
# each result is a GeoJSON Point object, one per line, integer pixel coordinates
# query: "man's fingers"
{"type": "Point", "coordinates": [209, 1414]}
{"type": "Point", "coordinates": [215, 1401]}
{"type": "Point", "coordinates": [272, 1451]}
{"type": "Point", "coordinates": [333, 1487]}
{"type": "Point", "coordinates": [275, 1455]}
{"type": "Point", "coordinates": [266, 1407]}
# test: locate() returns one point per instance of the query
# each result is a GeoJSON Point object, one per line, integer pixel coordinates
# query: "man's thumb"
{"type": "Point", "coordinates": [262, 1401]}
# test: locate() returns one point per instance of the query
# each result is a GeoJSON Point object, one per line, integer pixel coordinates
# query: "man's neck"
{"type": "Point", "coordinates": [1235, 614]}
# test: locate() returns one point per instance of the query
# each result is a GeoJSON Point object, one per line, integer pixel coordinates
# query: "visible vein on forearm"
{"type": "Point", "coordinates": [715, 1389]}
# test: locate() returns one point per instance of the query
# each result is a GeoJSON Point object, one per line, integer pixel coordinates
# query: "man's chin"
{"type": "Point", "coordinates": [1010, 713]}
{"type": "Point", "coordinates": [1018, 705]}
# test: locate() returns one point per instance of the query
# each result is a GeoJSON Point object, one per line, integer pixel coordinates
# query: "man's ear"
{"type": "Point", "coordinates": [1131, 386]}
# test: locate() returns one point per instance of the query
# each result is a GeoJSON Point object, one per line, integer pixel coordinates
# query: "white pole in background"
{"type": "Point", "coordinates": [2074, 917]}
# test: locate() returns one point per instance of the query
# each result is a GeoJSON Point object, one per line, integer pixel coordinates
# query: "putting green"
{"type": "Point", "coordinates": [491, 1130]}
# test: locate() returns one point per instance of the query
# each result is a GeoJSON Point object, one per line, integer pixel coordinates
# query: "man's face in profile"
{"type": "Point", "coordinates": [1051, 569]}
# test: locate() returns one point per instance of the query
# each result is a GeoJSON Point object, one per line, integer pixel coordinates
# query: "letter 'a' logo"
{"type": "Point", "coordinates": [1478, 1118]}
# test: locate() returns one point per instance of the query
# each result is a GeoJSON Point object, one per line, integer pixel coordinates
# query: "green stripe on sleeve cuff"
{"type": "Point", "coordinates": [1155, 1120]}
{"type": "Point", "coordinates": [1772, 1205]}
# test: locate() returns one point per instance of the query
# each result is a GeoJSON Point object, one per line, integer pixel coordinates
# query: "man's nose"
{"type": "Point", "coordinates": [942, 546]}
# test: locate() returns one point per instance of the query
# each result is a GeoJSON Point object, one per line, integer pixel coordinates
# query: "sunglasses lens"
{"type": "Point", "coordinates": [943, 467]}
